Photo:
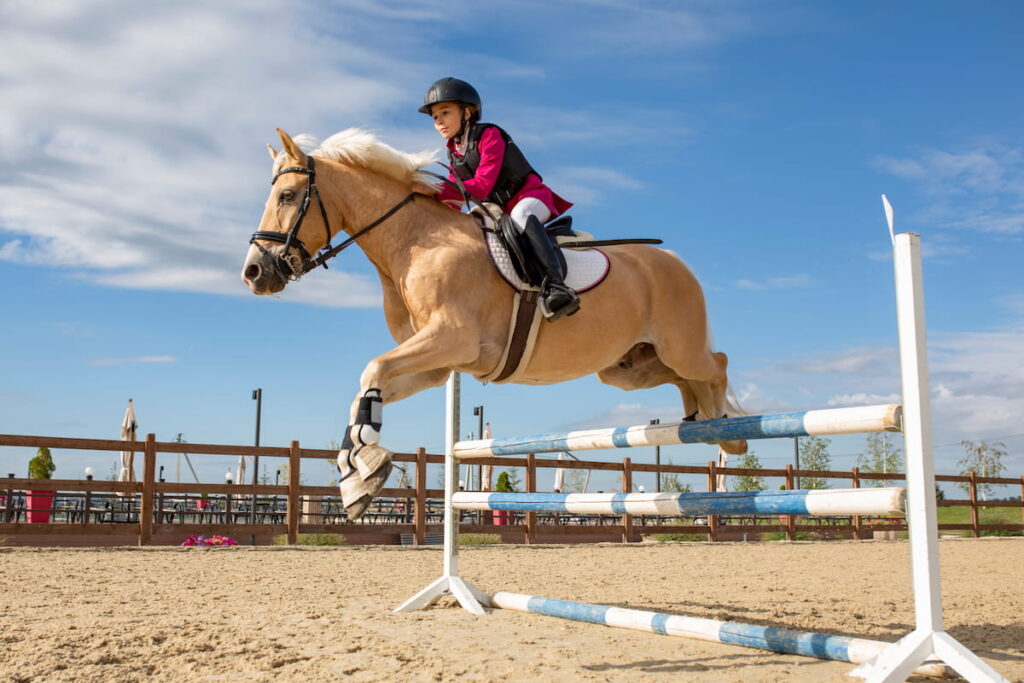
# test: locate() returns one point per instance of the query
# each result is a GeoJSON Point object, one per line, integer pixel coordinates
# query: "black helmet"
{"type": "Point", "coordinates": [451, 90]}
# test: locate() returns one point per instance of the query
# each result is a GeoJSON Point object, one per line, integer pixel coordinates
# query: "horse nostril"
{"type": "Point", "coordinates": [252, 272]}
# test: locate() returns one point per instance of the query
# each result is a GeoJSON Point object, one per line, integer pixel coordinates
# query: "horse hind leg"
{"type": "Point", "coordinates": [707, 398]}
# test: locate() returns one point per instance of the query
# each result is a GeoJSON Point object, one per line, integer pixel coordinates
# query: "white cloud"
{"type": "Point", "coordinates": [857, 360]}
{"type": "Point", "coordinates": [627, 414]}
{"type": "Point", "coordinates": [783, 282]}
{"type": "Point", "coordinates": [980, 188]}
{"type": "Point", "coordinates": [977, 381]}
{"type": "Point", "coordinates": [861, 399]}
{"type": "Point", "coordinates": [589, 184]}
{"type": "Point", "coordinates": [151, 176]}
{"type": "Point", "coordinates": [131, 135]}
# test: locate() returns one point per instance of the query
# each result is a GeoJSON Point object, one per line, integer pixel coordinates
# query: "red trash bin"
{"type": "Point", "coordinates": [38, 505]}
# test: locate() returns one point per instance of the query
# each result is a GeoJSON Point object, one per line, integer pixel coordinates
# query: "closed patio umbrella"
{"type": "Point", "coordinates": [128, 429]}
{"type": "Point", "coordinates": [559, 486]}
{"type": "Point", "coordinates": [721, 482]}
{"type": "Point", "coordinates": [487, 471]}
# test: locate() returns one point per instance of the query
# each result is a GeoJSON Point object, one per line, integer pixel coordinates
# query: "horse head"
{"type": "Point", "coordinates": [280, 250]}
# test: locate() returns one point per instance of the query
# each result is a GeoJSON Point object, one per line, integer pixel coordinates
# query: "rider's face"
{"type": "Point", "coordinates": [447, 118]}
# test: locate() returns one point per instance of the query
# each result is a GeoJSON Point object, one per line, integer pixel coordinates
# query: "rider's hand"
{"type": "Point", "coordinates": [422, 188]}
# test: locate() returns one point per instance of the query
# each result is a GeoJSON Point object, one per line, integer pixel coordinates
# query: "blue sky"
{"type": "Point", "coordinates": [753, 137]}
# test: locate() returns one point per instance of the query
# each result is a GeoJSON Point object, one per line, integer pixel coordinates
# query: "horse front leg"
{"type": "Point", "coordinates": [421, 362]}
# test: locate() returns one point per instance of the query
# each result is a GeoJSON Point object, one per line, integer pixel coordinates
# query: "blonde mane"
{"type": "Point", "coordinates": [359, 147]}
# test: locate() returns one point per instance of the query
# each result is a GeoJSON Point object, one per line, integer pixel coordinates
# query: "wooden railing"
{"type": "Point", "coordinates": [249, 510]}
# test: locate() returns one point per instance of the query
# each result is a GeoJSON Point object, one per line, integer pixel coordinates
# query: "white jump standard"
{"type": "Point", "coordinates": [928, 645]}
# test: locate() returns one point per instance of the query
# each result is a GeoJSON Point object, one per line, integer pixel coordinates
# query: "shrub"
{"type": "Point", "coordinates": [665, 538]}
{"type": "Point", "coordinates": [479, 539]}
{"type": "Point", "coordinates": [311, 539]}
{"type": "Point", "coordinates": [41, 466]}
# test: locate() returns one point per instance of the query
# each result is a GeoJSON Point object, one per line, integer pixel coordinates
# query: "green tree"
{"type": "Point", "coordinates": [985, 460]}
{"type": "Point", "coordinates": [505, 481]}
{"type": "Point", "coordinates": [513, 479]}
{"type": "Point", "coordinates": [749, 482]}
{"type": "Point", "coordinates": [41, 466]}
{"type": "Point", "coordinates": [880, 456]}
{"type": "Point", "coordinates": [814, 455]}
{"type": "Point", "coordinates": [670, 483]}
{"type": "Point", "coordinates": [575, 481]}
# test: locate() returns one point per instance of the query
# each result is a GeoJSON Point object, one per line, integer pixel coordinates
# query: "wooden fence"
{"type": "Point", "coordinates": [255, 513]}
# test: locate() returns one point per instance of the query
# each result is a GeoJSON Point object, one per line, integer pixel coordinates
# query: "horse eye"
{"type": "Point", "coordinates": [286, 196]}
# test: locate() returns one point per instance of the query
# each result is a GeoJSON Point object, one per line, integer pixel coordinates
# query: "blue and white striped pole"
{"type": "Point", "coordinates": [880, 501]}
{"type": "Point", "coordinates": [785, 641]}
{"type": "Point", "coordinates": [879, 418]}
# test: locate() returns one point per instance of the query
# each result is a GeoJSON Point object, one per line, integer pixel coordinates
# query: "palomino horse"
{"type": "Point", "coordinates": [448, 308]}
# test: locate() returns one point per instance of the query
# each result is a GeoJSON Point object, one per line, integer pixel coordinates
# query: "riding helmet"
{"type": "Point", "coordinates": [451, 90]}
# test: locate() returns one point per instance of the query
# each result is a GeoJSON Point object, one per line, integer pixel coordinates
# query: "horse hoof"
{"type": "Point", "coordinates": [370, 459]}
{"type": "Point", "coordinates": [733, 447]}
{"type": "Point", "coordinates": [356, 509]}
{"type": "Point", "coordinates": [357, 494]}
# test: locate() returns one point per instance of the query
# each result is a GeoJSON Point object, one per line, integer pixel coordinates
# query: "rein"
{"type": "Point", "coordinates": [289, 265]}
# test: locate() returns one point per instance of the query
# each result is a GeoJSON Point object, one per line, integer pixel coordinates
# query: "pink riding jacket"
{"type": "Point", "coordinates": [492, 153]}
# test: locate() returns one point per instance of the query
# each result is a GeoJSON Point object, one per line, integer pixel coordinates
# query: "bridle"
{"type": "Point", "coordinates": [289, 265]}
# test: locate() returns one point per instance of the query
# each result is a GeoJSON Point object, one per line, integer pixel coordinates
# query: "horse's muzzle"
{"type": "Point", "coordinates": [261, 275]}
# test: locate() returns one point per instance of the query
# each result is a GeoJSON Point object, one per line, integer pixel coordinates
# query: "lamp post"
{"type": "Point", "coordinates": [479, 412]}
{"type": "Point", "coordinates": [257, 395]}
{"type": "Point", "coordinates": [657, 461]}
{"type": "Point", "coordinates": [87, 503]}
{"type": "Point", "coordinates": [227, 498]}
{"type": "Point", "coordinates": [796, 459]}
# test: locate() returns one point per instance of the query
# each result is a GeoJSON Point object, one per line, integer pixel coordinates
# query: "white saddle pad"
{"type": "Point", "coordinates": [586, 267]}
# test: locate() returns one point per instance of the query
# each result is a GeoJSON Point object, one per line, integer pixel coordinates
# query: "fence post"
{"type": "Point", "coordinates": [972, 487]}
{"type": "Point", "coordinates": [420, 519]}
{"type": "Point", "coordinates": [531, 487]}
{"type": "Point", "coordinates": [712, 487]}
{"type": "Point", "coordinates": [148, 486]}
{"type": "Point", "coordinates": [790, 519]}
{"type": "Point", "coordinates": [856, 518]}
{"type": "Point", "coordinates": [627, 487]}
{"type": "Point", "coordinates": [293, 493]}
{"type": "Point", "coordinates": [9, 502]}
{"type": "Point", "coordinates": [1021, 498]}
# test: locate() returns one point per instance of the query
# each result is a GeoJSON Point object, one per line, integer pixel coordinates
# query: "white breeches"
{"type": "Point", "coordinates": [530, 206]}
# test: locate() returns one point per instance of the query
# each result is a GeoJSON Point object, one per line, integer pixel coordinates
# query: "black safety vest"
{"type": "Point", "coordinates": [514, 167]}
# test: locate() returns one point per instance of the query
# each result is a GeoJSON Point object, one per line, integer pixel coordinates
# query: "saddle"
{"type": "Point", "coordinates": [582, 268]}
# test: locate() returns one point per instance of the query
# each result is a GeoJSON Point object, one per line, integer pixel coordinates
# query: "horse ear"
{"type": "Point", "coordinates": [290, 147]}
{"type": "Point", "coordinates": [273, 154]}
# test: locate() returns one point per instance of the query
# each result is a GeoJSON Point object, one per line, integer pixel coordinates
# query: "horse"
{"type": "Point", "coordinates": [447, 307]}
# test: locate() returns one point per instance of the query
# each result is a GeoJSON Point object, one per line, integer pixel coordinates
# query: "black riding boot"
{"type": "Point", "coordinates": [557, 299]}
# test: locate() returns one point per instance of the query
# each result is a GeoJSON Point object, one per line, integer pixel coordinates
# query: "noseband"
{"type": "Point", "coordinates": [290, 266]}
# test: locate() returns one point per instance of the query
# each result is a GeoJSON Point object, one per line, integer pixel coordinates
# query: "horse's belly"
{"type": "Point", "coordinates": [576, 350]}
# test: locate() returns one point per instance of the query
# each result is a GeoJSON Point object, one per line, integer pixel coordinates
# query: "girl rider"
{"type": "Point", "coordinates": [493, 169]}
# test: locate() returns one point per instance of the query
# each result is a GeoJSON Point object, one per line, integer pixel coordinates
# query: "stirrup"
{"type": "Point", "coordinates": [550, 289]}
